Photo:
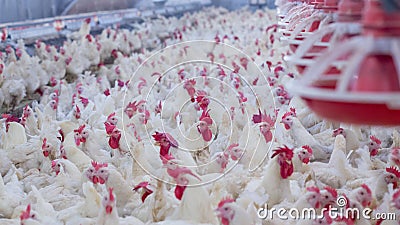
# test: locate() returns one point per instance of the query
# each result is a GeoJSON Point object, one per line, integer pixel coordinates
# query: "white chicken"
{"type": "Point", "coordinates": [108, 215]}
{"type": "Point", "coordinates": [11, 193]}
{"type": "Point", "coordinates": [301, 137]}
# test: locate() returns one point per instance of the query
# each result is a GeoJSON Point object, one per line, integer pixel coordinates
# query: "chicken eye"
{"type": "Point", "coordinates": [226, 208]}
{"type": "Point", "coordinates": [361, 193]}
{"type": "Point", "coordinates": [303, 153]}
{"type": "Point", "coordinates": [91, 170]}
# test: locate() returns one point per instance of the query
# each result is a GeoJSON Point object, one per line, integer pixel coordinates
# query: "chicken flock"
{"type": "Point", "coordinates": [200, 132]}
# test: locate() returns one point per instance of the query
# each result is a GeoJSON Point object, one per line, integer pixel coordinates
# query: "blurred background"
{"type": "Point", "coordinates": [22, 10]}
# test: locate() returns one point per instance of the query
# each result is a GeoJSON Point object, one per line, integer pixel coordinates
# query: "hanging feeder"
{"type": "Point", "coordinates": [284, 7]}
{"type": "Point", "coordinates": [297, 10]}
{"type": "Point", "coordinates": [322, 15]}
{"type": "Point", "coordinates": [367, 91]}
{"type": "Point", "coordinates": [347, 26]}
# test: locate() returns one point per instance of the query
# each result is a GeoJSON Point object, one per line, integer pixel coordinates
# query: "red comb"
{"type": "Point", "coordinates": [242, 98]}
{"type": "Point", "coordinates": [97, 165]}
{"type": "Point", "coordinates": [293, 110]}
{"type": "Point", "coordinates": [109, 127]}
{"type": "Point", "coordinates": [132, 105]}
{"type": "Point", "coordinates": [10, 118]}
{"type": "Point", "coordinates": [308, 148]}
{"type": "Point", "coordinates": [53, 164]}
{"type": "Point", "coordinates": [332, 191]}
{"type": "Point", "coordinates": [26, 214]}
{"type": "Point", "coordinates": [44, 143]}
{"type": "Point", "coordinates": [80, 129]}
{"type": "Point", "coordinates": [262, 117]}
{"type": "Point", "coordinates": [287, 114]}
{"type": "Point", "coordinates": [393, 170]}
{"type": "Point", "coordinates": [157, 136]}
{"type": "Point", "coordinates": [77, 109]}
{"type": "Point", "coordinates": [111, 194]}
{"type": "Point", "coordinates": [143, 184]}
{"type": "Point", "coordinates": [230, 147]}
{"type": "Point", "coordinates": [278, 68]}
{"type": "Point", "coordinates": [224, 201]}
{"type": "Point", "coordinates": [200, 95]}
{"type": "Point", "coordinates": [205, 116]}
{"type": "Point", "coordinates": [285, 149]}
{"type": "Point", "coordinates": [84, 101]}
{"type": "Point", "coordinates": [339, 129]}
{"type": "Point", "coordinates": [257, 118]}
{"type": "Point", "coordinates": [111, 115]}
{"type": "Point", "coordinates": [141, 102]}
{"type": "Point", "coordinates": [313, 189]}
{"type": "Point", "coordinates": [375, 139]}
{"type": "Point", "coordinates": [366, 188]}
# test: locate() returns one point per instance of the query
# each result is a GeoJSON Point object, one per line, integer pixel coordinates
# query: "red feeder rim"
{"type": "Point", "coordinates": [368, 89]}
{"type": "Point", "coordinates": [350, 10]}
{"type": "Point", "coordinates": [325, 38]}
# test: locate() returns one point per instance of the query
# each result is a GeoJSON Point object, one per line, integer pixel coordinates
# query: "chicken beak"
{"type": "Point", "coordinates": [157, 143]}
{"type": "Point", "coordinates": [217, 212]}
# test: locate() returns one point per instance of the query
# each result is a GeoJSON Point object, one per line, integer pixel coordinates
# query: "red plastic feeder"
{"type": "Point", "coordinates": [285, 8]}
{"type": "Point", "coordinates": [348, 25]}
{"type": "Point", "coordinates": [368, 89]}
{"type": "Point", "coordinates": [296, 12]}
{"type": "Point", "coordinates": [300, 28]}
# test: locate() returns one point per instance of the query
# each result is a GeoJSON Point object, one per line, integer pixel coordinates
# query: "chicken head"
{"type": "Point", "coordinates": [285, 155]}
{"type": "Point", "coordinates": [224, 211]}
{"type": "Point", "coordinates": [313, 197]}
{"type": "Point", "coordinates": [109, 201]}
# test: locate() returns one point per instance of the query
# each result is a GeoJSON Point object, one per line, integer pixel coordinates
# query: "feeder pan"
{"type": "Point", "coordinates": [301, 27]}
{"type": "Point", "coordinates": [295, 10]}
{"type": "Point", "coordinates": [283, 9]}
{"type": "Point", "coordinates": [307, 27]}
{"type": "Point", "coordinates": [367, 91]}
{"type": "Point", "coordinates": [295, 14]}
{"type": "Point", "coordinates": [348, 26]}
